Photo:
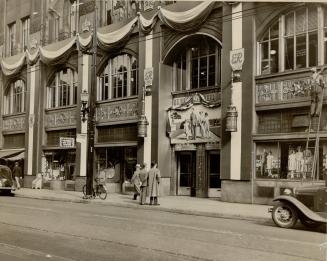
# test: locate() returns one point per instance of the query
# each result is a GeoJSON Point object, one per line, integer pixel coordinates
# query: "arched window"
{"type": "Point", "coordinates": [14, 99]}
{"type": "Point", "coordinates": [294, 41]}
{"type": "Point", "coordinates": [63, 89]}
{"type": "Point", "coordinates": [196, 63]}
{"type": "Point", "coordinates": [119, 78]}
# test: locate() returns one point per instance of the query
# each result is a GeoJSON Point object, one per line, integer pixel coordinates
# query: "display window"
{"type": "Point", "coordinates": [60, 165]}
{"type": "Point", "coordinates": [292, 160]}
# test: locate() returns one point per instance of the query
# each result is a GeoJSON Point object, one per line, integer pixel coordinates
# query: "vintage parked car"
{"type": "Point", "coordinates": [6, 180]}
{"type": "Point", "coordinates": [309, 204]}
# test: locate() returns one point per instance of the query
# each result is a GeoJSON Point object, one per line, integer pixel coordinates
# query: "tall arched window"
{"type": "Point", "coordinates": [294, 41]}
{"type": "Point", "coordinates": [63, 89]}
{"type": "Point", "coordinates": [196, 63]}
{"type": "Point", "coordinates": [119, 78]}
{"type": "Point", "coordinates": [14, 99]}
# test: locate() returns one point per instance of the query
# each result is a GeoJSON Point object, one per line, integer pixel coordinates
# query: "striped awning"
{"type": "Point", "coordinates": [19, 156]}
{"type": "Point", "coordinates": [6, 154]}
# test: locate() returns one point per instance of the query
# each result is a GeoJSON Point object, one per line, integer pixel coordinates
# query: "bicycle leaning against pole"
{"type": "Point", "coordinates": [99, 190]}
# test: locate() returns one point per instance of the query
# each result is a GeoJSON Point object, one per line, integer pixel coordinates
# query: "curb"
{"type": "Point", "coordinates": [154, 208]}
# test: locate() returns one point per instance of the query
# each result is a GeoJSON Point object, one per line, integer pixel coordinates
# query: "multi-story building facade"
{"type": "Point", "coordinates": [47, 62]}
{"type": "Point", "coordinates": [46, 65]}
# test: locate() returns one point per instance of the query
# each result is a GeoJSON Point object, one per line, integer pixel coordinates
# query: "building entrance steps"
{"type": "Point", "coordinates": [175, 204]}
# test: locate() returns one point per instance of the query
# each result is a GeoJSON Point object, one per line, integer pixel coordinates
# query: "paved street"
{"type": "Point", "coordinates": [49, 230]}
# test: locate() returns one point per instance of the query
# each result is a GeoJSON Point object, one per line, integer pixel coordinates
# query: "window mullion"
{"type": "Point", "coordinates": [307, 38]}
{"type": "Point", "coordinates": [294, 41]}
{"type": "Point", "coordinates": [281, 63]}
{"type": "Point", "coordinates": [57, 91]}
{"type": "Point", "coordinates": [129, 72]}
{"type": "Point", "coordinates": [110, 85]}
{"type": "Point", "coordinates": [321, 37]}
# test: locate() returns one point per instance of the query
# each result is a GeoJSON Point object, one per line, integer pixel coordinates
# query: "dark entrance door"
{"type": "Point", "coordinates": [186, 173]}
{"type": "Point", "coordinates": [214, 182]}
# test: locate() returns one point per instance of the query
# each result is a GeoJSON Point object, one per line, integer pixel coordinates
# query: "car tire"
{"type": "Point", "coordinates": [285, 215]}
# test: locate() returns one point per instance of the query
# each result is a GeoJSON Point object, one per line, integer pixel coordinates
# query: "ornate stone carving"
{"type": "Point", "coordinates": [60, 118]}
{"type": "Point", "coordinates": [210, 97]}
{"type": "Point", "coordinates": [14, 123]}
{"type": "Point", "coordinates": [117, 111]}
{"type": "Point", "coordinates": [283, 90]}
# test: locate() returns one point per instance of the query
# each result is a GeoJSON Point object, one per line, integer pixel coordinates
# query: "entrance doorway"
{"type": "Point", "coordinates": [214, 181]}
{"type": "Point", "coordinates": [186, 173]}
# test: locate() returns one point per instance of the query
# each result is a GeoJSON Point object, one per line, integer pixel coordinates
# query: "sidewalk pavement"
{"type": "Point", "coordinates": [175, 204]}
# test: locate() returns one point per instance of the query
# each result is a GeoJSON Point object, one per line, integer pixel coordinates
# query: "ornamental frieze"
{"type": "Point", "coordinates": [212, 97]}
{"type": "Point", "coordinates": [61, 118]}
{"type": "Point", "coordinates": [117, 111]}
{"type": "Point", "coordinates": [283, 90]}
{"type": "Point", "coordinates": [14, 123]}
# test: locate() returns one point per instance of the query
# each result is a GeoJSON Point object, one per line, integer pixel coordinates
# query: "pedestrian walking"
{"type": "Point", "coordinates": [154, 182]}
{"type": "Point", "coordinates": [143, 175]}
{"type": "Point", "coordinates": [136, 181]}
{"type": "Point", "coordinates": [17, 173]}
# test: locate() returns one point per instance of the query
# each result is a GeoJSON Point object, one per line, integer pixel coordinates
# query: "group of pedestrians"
{"type": "Point", "coordinates": [146, 183]}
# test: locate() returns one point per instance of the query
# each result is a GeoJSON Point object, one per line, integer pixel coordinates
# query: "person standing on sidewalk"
{"type": "Point", "coordinates": [136, 181]}
{"type": "Point", "coordinates": [154, 182]}
{"type": "Point", "coordinates": [17, 173]}
{"type": "Point", "coordinates": [143, 175]}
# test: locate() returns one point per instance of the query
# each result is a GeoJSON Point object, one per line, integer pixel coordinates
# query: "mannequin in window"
{"type": "Point", "coordinates": [299, 162]}
{"type": "Point", "coordinates": [307, 163]}
{"type": "Point", "coordinates": [292, 163]}
{"type": "Point", "coordinates": [270, 159]}
{"type": "Point", "coordinates": [264, 162]}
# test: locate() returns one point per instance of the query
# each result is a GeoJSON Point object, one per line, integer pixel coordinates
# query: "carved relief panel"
{"type": "Point", "coordinates": [62, 118]}
{"type": "Point", "coordinates": [117, 111]}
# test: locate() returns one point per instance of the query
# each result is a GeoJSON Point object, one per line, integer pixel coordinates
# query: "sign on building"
{"type": "Point", "coordinates": [236, 59]}
{"type": "Point", "coordinates": [148, 5]}
{"type": "Point", "coordinates": [148, 76]}
{"type": "Point", "coordinates": [67, 142]}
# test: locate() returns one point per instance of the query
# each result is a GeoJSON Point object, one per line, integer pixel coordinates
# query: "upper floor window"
{"type": "Point", "coordinates": [25, 32]}
{"type": "Point", "coordinates": [63, 89]}
{"type": "Point", "coordinates": [294, 41]}
{"type": "Point", "coordinates": [14, 98]}
{"type": "Point", "coordinates": [198, 65]}
{"type": "Point", "coordinates": [119, 78]}
{"type": "Point", "coordinates": [73, 16]}
{"type": "Point", "coordinates": [269, 50]}
{"type": "Point", "coordinates": [11, 38]}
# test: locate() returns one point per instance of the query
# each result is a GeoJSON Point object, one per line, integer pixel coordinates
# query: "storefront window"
{"type": "Point", "coordinates": [116, 163]}
{"type": "Point", "coordinates": [14, 99]}
{"type": "Point", "coordinates": [292, 160]}
{"type": "Point", "coordinates": [119, 78]}
{"type": "Point", "coordinates": [60, 165]}
{"type": "Point", "coordinates": [62, 91]}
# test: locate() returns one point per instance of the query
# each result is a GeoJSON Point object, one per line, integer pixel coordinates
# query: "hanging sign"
{"type": "Point", "coordinates": [148, 5]}
{"type": "Point", "coordinates": [148, 76]}
{"type": "Point", "coordinates": [67, 142]}
{"type": "Point", "coordinates": [236, 59]}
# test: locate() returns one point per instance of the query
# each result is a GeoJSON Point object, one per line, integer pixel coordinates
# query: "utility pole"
{"type": "Point", "coordinates": [91, 113]}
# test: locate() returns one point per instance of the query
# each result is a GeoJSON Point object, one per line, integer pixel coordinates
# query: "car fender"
{"type": "Point", "coordinates": [302, 208]}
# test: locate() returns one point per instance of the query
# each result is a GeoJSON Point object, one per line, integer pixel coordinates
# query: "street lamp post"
{"type": "Point", "coordinates": [91, 111]}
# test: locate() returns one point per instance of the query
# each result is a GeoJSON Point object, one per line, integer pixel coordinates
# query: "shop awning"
{"type": "Point", "coordinates": [10, 153]}
{"type": "Point", "coordinates": [19, 156]}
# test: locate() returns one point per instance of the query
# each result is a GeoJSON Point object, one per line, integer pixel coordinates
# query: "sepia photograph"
{"type": "Point", "coordinates": [153, 130]}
